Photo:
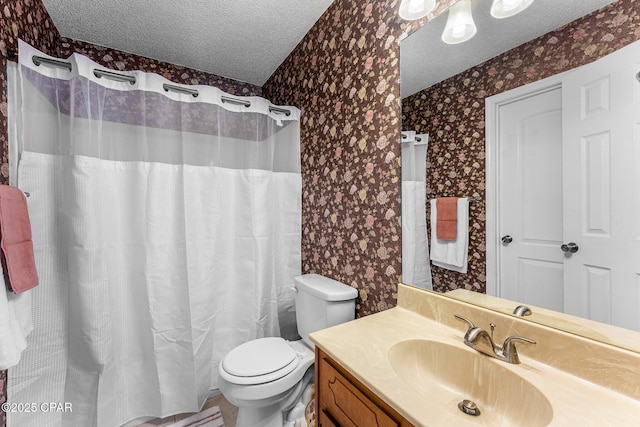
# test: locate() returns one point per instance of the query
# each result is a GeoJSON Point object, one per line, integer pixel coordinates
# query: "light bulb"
{"type": "Point", "coordinates": [460, 26]}
{"type": "Point", "coordinates": [506, 8]}
{"type": "Point", "coordinates": [415, 6]}
{"type": "Point", "coordinates": [415, 9]}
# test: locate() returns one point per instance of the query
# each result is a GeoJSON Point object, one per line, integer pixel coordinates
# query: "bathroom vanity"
{"type": "Point", "coordinates": [409, 366]}
{"type": "Point", "coordinates": [345, 401]}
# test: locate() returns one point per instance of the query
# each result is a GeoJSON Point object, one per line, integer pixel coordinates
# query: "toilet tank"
{"type": "Point", "coordinates": [322, 302]}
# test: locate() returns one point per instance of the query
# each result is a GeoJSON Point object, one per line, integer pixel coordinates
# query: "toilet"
{"type": "Point", "coordinates": [266, 378]}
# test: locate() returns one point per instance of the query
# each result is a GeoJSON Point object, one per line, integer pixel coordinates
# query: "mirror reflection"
{"type": "Point", "coordinates": [536, 191]}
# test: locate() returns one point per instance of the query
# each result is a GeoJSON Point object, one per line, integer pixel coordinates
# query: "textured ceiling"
{"type": "Point", "coordinates": [426, 60]}
{"type": "Point", "coordinates": [242, 39]}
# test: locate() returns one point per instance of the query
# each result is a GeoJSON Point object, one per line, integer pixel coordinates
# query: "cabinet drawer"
{"type": "Point", "coordinates": [346, 405]}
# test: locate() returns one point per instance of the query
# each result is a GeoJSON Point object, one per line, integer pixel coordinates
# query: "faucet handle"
{"type": "Point", "coordinates": [509, 350]}
{"type": "Point", "coordinates": [469, 322]}
{"type": "Point", "coordinates": [517, 338]}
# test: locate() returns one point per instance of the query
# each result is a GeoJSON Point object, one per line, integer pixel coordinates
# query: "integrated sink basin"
{"type": "Point", "coordinates": [447, 374]}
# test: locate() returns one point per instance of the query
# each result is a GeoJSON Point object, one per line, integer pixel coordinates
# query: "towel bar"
{"type": "Point", "coordinates": [471, 199]}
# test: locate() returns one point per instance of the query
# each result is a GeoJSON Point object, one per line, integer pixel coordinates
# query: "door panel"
{"type": "Point", "coordinates": [601, 203]}
{"type": "Point", "coordinates": [540, 165]}
{"type": "Point", "coordinates": [530, 194]}
{"type": "Point", "coordinates": [598, 291]}
{"type": "Point", "coordinates": [595, 98]}
{"type": "Point", "coordinates": [539, 283]}
{"type": "Point", "coordinates": [596, 184]}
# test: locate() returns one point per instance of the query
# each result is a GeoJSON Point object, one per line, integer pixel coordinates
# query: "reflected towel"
{"type": "Point", "coordinates": [451, 254]}
{"type": "Point", "coordinates": [15, 233]}
{"type": "Point", "coordinates": [447, 218]}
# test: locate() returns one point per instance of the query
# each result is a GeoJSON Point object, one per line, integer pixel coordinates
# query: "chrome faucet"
{"type": "Point", "coordinates": [481, 341]}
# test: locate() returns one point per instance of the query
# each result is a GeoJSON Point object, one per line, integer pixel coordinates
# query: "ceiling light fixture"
{"type": "Point", "coordinates": [506, 8]}
{"type": "Point", "coordinates": [460, 26]}
{"type": "Point", "coordinates": [415, 9]}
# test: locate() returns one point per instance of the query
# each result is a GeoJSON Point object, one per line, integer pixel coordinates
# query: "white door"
{"type": "Point", "coordinates": [530, 199]}
{"type": "Point", "coordinates": [601, 113]}
{"type": "Point", "coordinates": [598, 169]}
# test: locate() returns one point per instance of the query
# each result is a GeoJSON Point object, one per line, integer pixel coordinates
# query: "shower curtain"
{"type": "Point", "coordinates": [166, 231]}
{"type": "Point", "coordinates": [416, 269]}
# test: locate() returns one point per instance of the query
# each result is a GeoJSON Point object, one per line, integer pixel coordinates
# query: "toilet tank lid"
{"type": "Point", "coordinates": [324, 287]}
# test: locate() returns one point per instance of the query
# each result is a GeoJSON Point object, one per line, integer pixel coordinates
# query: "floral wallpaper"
{"type": "Point", "coordinates": [344, 77]}
{"type": "Point", "coordinates": [452, 112]}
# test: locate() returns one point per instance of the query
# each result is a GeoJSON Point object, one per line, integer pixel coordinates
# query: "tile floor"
{"type": "Point", "coordinates": [229, 414]}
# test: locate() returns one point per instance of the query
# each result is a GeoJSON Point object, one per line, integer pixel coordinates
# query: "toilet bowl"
{"type": "Point", "coordinates": [265, 375]}
{"type": "Point", "coordinates": [265, 378]}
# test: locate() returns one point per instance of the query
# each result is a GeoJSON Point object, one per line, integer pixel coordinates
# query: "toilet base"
{"type": "Point", "coordinates": [266, 416]}
{"type": "Point", "coordinates": [273, 415]}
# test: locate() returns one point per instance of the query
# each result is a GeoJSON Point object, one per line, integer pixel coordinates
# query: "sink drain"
{"type": "Point", "coordinates": [469, 407]}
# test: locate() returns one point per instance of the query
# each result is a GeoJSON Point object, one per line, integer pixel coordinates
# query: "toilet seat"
{"type": "Point", "coordinates": [259, 361]}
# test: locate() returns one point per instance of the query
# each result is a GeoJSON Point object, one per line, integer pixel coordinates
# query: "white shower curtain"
{"type": "Point", "coordinates": [416, 269]}
{"type": "Point", "coordinates": [166, 232]}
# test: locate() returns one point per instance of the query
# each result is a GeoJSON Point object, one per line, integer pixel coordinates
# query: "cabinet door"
{"type": "Point", "coordinates": [345, 404]}
{"type": "Point", "coordinates": [326, 420]}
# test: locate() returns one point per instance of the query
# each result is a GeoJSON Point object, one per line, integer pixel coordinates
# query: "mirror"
{"type": "Point", "coordinates": [444, 92]}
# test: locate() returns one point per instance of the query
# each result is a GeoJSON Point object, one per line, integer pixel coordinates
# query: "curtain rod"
{"type": "Point", "coordinates": [38, 60]}
{"type": "Point", "coordinates": [470, 199]}
{"type": "Point", "coordinates": [280, 111]}
{"type": "Point", "coordinates": [114, 76]}
{"type": "Point", "coordinates": [180, 89]}
{"type": "Point", "coordinates": [247, 104]}
{"type": "Point", "coordinates": [227, 99]}
{"type": "Point", "coordinates": [234, 101]}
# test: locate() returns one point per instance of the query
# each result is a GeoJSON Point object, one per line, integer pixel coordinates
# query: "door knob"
{"type": "Point", "coordinates": [506, 239]}
{"type": "Point", "coordinates": [570, 248]}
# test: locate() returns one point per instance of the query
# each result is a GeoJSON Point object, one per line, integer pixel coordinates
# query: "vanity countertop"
{"type": "Point", "coordinates": [362, 347]}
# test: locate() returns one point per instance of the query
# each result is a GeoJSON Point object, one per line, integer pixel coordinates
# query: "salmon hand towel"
{"type": "Point", "coordinates": [451, 254]}
{"type": "Point", "coordinates": [18, 261]}
{"type": "Point", "coordinates": [447, 222]}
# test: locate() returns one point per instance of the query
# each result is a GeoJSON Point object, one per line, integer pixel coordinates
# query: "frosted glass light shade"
{"type": "Point", "coordinates": [460, 26]}
{"type": "Point", "coordinates": [506, 8]}
{"type": "Point", "coordinates": [415, 9]}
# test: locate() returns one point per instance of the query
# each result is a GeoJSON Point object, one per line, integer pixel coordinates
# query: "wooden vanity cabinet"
{"type": "Point", "coordinates": [343, 401]}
